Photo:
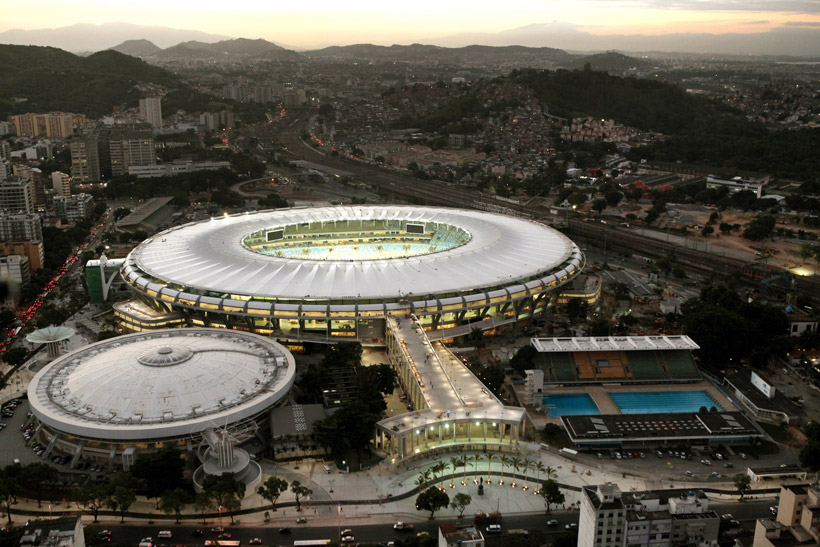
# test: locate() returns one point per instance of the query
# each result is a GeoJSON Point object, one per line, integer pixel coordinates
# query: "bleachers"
{"type": "Point", "coordinates": [680, 364]}
{"type": "Point", "coordinates": [613, 366]}
{"type": "Point", "coordinates": [645, 366]}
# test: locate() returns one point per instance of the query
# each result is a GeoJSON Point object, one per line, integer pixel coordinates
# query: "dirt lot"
{"type": "Point", "coordinates": [783, 252]}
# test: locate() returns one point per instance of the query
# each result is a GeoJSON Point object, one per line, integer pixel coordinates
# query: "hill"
{"type": "Point", "coordinates": [53, 79]}
{"type": "Point", "coordinates": [137, 48]}
{"type": "Point", "coordinates": [240, 48]}
{"type": "Point", "coordinates": [611, 62]}
{"type": "Point", "coordinates": [469, 55]}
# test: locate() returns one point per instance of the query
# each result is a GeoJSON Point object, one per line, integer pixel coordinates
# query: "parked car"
{"type": "Point", "coordinates": [552, 522]}
{"type": "Point", "coordinates": [255, 541]}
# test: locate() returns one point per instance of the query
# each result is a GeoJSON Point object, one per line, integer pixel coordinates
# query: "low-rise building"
{"type": "Point", "coordinates": [797, 521]}
{"type": "Point", "coordinates": [63, 532]}
{"type": "Point", "coordinates": [451, 536]}
{"type": "Point", "coordinates": [658, 518]}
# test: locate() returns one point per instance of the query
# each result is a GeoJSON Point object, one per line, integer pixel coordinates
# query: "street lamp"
{"type": "Point", "coordinates": [220, 516]}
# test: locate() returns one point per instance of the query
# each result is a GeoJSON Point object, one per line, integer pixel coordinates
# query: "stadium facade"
{"type": "Point", "coordinates": [336, 273]}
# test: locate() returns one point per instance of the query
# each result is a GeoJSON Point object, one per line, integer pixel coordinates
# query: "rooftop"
{"type": "Point", "coordinates": [658, 427]}
{"type": "Point", "coordinates": [614, 343]}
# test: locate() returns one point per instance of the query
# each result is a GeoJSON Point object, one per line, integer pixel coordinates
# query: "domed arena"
{"type": "Point", "coordinates": [109, 401]}
{"type": "Point", "coordinates": [335, 273]}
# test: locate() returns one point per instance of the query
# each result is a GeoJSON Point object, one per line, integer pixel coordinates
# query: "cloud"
{"type": "Point", "coordinates": [761, 22]}
{"type": "Point", "coordinates": [793, 6]}
{"type": "Point", "coordinates": [804, 24]}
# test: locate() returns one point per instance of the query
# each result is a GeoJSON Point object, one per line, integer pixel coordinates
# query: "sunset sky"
{"type": "Point", "coordinates": [314, 23]}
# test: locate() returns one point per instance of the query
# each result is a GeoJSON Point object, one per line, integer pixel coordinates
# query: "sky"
{"type": "Point", "coordinates": [316, 23]}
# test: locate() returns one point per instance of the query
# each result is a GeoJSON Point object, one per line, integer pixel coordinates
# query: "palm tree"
{"type": "Point", "coordinates": [516, 465]}
{"type": "Point", "coordinates": [464, 474]}
{"type": "Point", "coordinates": [476, 458]}
{"type": "Point", "coordinates": [539, 466]}
{"type": "Point", "coordinates": [526, 465]}
{"type": "Point", "coordinates": [490, 457]}
{"type": "Point", "coordinates": [505, 461]}
{"type": "Point", "coordinates": [442, 467]}
{"type": "Point", "coordinates": [454, 463]}
{"type": "Point", "coordinates": [550, 473]}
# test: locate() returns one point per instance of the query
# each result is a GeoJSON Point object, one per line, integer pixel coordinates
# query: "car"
{"type": "Point", "coordinates": [689, 474]}
{"type": "Point", "coordinates": [552, 522]}
{"type": "Point", "coordinates": [493, 528]}
{"type": "Point", "coordinates": [659, 454]}
{"type": "Point", "coordinates": [197, 533]}
{"type": "Point", "coordinates": [284, 530]}
{"type": "Point", "coordinates": [424, 534]}
{"type": "Point", "coordinates": [105, 533]}
{"type": "Point", "coordinates": [742, 455]}
{"type": "Point", "coordinates": [727, 465]}
{"type": "Point", "coordinates": [734, 523]}
{"type": "Point", "coordinates": [600, 456]}
{"type": "Point", "coordinates": [348, 539]}
{"type": "Point", "coordinates": [214, 530]}
{"type": "Point", "coordinates": [718, 456]}
{"type": "Point", "coordinates": [224, 535]}
{"type": "Point", "coordinates": [571, 526]}
{"type": "Point", "coordinates": [641, 454]}
{"type": "Point", "coordinates": [727, 516]}
{"type": "Point", "coordinates": [773, 509]}
{"type": "Point", "coordinates": [301, 520]}
{"type": "Point", "coordinates": [716, 474]}
{"type": "Point", "coordinates": [706, 462]}
{"type": "Point", "coordinates": [255, 541]}
{"type": "Point", "coordinates": [165, 534]}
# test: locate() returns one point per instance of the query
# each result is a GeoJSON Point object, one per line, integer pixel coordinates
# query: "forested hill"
{"type": "Point", "coordinates": [53, 79]}
{"type": "Point", "coordinates": [646, 104]}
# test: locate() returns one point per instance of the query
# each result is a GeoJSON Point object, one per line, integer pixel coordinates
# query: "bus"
{"type": "Point", "coordinates": [311, 543]}
{"type": "Point", "coordinates": [221, 543]}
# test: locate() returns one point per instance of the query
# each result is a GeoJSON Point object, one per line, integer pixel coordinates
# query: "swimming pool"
{"type": "Point", "coordinates": [659, 402]}
{"type": "Point", "coordinates": [569, 404]}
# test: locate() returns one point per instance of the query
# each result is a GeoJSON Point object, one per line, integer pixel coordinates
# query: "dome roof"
{"type": "Point", "coordinates": [162, 383]}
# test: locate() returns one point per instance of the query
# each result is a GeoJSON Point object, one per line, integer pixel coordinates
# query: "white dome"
{"type": "Point", "coordinates": [162, 384]}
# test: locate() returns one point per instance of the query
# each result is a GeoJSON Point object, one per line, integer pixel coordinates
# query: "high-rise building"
{"type": "Point", "coordinates": [14, 269]}
{"type": "Point", "coordinates": [89, 153]}
{"type": "Point", "coordinates": [61, 183]}
{"type": "Point", "coordinates": [34, 250]}
{"type": "Point", "coordinates": [797, 521]}
{"type": "Point", "coordinates": [20, 227]}
{"type": "Point", "coordinates": [151, 111]}
{"type": "Point", "coordinates": [53, 125]}
{"type": "Point", "coordinates": [130, 145]}
{"type": "Point", "coordinates": [16, 196]}
{"type": "Point", "coordinates": [73, 208]}
{"type": "Point", "coordinates": [657, 519]}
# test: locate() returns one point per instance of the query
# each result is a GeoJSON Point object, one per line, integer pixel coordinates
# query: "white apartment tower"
{"type": "Point", "coordinates": [151, 111]}
{"type": "Point", "coordinates": [61, 183]}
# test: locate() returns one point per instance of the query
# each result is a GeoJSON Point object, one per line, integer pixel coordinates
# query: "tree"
{"type": "Point", "coordinates": [15, 356]}
{"type": "Point", "coordinates": [742, 481]}
{"type": "Point", "coordinates": [551, 493]}
{"type": "Point", "coordinates": [233, 503]}
{"type": "Point", "coordinates": [37, 476]}
{"type": "Point", "coordinates": [219, 486]}
{"type": "Point", "coordinates": [524, 359]}
{"type": "Point", "coordinates": [725, 227]}
{"type": "Point", "coordinates": [121, 499]}
{"type": "Point", "coordinates": [8, 493]}
{"type": "Point", "coordinates": [202, 503]}
{"type": "Point", "coordinates": [272, 489]}
{"type": "Point", "coordinates": [707, 231]}
{"type": "Point", "coordinates": [460, 503]}
{"type": "Point", "coordinates": [760, 228]}
{"type": "Point", "coordinates": [432, 500]}
{"type": "Point", "coordinates": [174, 501]}
{"type": "Point", "coordinates": [810, 453]}
{"type": "Point", "coordinates": [159, 471]}
{"type": "Point", "coordinates": [300, 492]}
{"type": "Point", "coordinates": [92, 498]}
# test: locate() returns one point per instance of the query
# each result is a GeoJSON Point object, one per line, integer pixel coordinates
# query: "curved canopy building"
{"type": "Point", "coordinates": [337, 272]}
{"type": "Point", "coordinates": [170, 387]}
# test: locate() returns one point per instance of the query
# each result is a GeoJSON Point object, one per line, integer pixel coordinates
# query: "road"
{"type": "Point", "coordinates": [745, 512]}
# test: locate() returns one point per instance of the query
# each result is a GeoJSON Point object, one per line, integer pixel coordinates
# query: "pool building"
{"type": "Point", "coordinates": [630, 391]}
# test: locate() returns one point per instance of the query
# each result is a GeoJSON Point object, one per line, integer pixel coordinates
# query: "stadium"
{"type": "Point", "coordinates": [335, 273]}
{"type": "Point", "coordinates": [197, 389]}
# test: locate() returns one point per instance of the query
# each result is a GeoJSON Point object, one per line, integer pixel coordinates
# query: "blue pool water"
{"type": "Point", "coordinates": [658, 402]}
{"type": "Point", "coordinates": [569, 404]}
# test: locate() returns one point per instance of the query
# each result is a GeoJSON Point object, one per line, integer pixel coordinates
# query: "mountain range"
{"type": "Point", "coordinates": [798, 40]}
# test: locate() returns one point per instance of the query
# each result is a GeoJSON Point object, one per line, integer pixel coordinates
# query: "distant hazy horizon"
{"type": "Point", "coordinates": [782, 27]}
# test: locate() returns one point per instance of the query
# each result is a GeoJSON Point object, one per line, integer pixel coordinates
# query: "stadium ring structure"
{"type": "Point", "coordinates": [196, 389]}
{"type": "Point", "coordinates": [335, 273]}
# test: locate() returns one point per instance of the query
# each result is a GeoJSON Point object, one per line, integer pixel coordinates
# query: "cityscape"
{"type": "Point", "coordinates": [547, 275]}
